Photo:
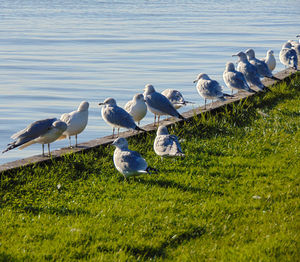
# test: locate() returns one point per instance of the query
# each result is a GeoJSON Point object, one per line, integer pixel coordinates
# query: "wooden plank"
{"type": "Point", "coordinates": [283, 75]}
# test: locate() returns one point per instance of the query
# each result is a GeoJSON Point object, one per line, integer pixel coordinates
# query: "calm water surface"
{"type": "Point", "coordinates": [55, 54]}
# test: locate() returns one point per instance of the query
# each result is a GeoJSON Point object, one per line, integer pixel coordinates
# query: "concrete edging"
{"type": "Point", "coordinates": [283, 75]}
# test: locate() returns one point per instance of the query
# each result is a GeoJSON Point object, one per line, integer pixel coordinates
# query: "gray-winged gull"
{"type": "Point", "coordinates": [175, 97]}
{"type": "Point", "coordinates": [128, 162]}
{"type": "Point", "coordinates": [166, 145]}
{"type": "Point", "coordinates": [249, 71]}
{"type": "Point", "coordinates": [137, 107]}
{"type": "Point", "coordinates": [270, 60]}
{"type": "Point", "coordinates": [235, 79]}
{"type": "Point", "coordinates": [116, 116]}
{"type": "Point", "coordinates": [76, 121]}
{"type": "Point", "coordinates": [261, 66]}
{"type": "Point", "coordinates": [158, 104]}
{"type": "Point", "coordinates": [43, 132]}
{"type": "Point", "coordinates": [209, 89]}
{"type": "Point", "coordinates": [288, 56]}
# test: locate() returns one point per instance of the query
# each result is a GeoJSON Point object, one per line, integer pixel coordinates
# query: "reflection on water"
{"type": "Point", "coordinates": [55, 54]}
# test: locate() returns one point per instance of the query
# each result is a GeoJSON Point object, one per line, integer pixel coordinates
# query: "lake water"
{"type": "Point", "coordinates": [55, 54]}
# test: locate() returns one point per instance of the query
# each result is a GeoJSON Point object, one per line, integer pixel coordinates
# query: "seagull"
{"type": "Point", "coordinates": [116, 116]}
{"type": "Point", "coordinates": [128, 162]}
{"type": "Point", "coordinates": [43, 132]}
{"type": "Point", "coordinates": [175, 97]}
{"type": "Point", "coordinates": [137, 107]}
{"type": "Point", "coordinates": [261, 66]}
{"type": "Point", "coordinates": [235, 79]}
{"type": "Point", "coordinates": [249, 71]}
{"type": "Point", "coordinates": [76, 121]}
{"type": "Point", "coordinates": [209, 89]}
{"type": "Point", "coordinates": [288, 56]}
{"type": "Point", "coordinates": [158, 104]}
{"type": "Point", "coordinates": [270, 60]}
{"type": "Point", "coordinates": [296, 47]}
{"type": "Point", "coordinates": [167, 145]}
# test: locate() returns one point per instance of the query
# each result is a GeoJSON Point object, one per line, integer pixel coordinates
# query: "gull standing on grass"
{"type": "Point", "coordinates": [209, 89]}
{"type": "Point", "coordinates": [167, 145]}
{"type": "Point", "coordinates": [288, 56]}
{"type": "Point", "coordinates": [76, 121]}
{"type": "Point", "coordinates": [175, 97]}
{"type": "Point", "coordinates": [128, 162]}
{"type": "Point", "coordinates": [270, 60]}
{"type": "Point", "coordinates": [158, 104]}
{"type": "Point", "coordinates": [116, 116]}
{"type": "Point", "coordinates": [261, 66]}
{"type": "Point", "coordinates": [235, 79]}
{"type": "Point", "coordinates": [249, 71]}
{"type": "Point", "coordinates": [43, 132]}
{"type": "Point", "coordinates": [137, 107]}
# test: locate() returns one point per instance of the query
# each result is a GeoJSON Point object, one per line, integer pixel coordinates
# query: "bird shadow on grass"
{"type": "Point", "coordinates": [172, 184]}
{"type": "Point", "coordinates": [148, 252]}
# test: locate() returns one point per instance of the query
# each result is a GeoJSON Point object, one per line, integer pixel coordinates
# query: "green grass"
{"type": "Point", "coordinates": [234, 197]}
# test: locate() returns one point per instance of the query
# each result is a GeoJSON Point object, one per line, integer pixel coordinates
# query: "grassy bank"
{"type": "Point", "coordinates": [234, 197]}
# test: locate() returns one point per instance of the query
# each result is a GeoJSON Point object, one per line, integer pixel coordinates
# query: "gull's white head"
{"type": "Point", "coordinates": [60, 125]}
{"type": "Point", "coordinates": [108, 101]}
{"type": "Point", "coordinates": [149, 89]}
{"type": "Point", "coordinates": [250, 53]}
{"type": "Point", "coordinates": [270, 52]}
{"type": "Point", "coordinates": [83, 106]}
{"type": "Point", "coordinates": [242, 56]}
{"type": "Point", "coordinates": [201, 76]}
{"type": "Point", "coordinates": [162, 130]}
{"type": "Point", "coordinates": [230, 67]}
{"type": "Point", "coordinates": [121, 143]}
{"type": "Point", "coordinates": [139, 97]}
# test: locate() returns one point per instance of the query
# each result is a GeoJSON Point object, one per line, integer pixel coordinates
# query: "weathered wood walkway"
{"type": "Point", "coordinates": [283, 75]}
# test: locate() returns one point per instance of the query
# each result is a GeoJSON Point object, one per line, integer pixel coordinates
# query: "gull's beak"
{"type": "Point", "coordinates": [235, 55]}
{"type": "Point", "coordinates": [101, 104]}
{"type": "Point", "coordinates": [195, 81]}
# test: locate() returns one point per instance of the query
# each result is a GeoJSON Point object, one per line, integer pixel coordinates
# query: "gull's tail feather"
{"type": "Point", "coordinates": [10, 147]}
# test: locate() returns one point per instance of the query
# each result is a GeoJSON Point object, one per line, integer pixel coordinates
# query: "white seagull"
{"type": "Point", "coordinates": [249, 71]}
{"type": "Point", "coordinates": [116, 116]}
{"type": "Point", "coordinates": [128, 162]}
{"type": "Point", "coordinates": [166, 145]}
{"type": "Point", "coordinates": [137, 107]}
{"type": "Point", "coordinates": [76, 121]}
{"type": "Point", "coordinates": [235, 79]}
{"type": "Point", "coordinates": [209, 89]}
{"type": "Point", "coordinates": [270, 60]}
{"type": "Point", "coordinates": [158, 104]}
{"type": "Point", "coordinates": [288, 56]}
{"type": "Point", "coordinates": [43, 132]}
{"type": "Point", "coordinates": [261, 66]}
{"type": "Point", "coordinates": [175, 97]}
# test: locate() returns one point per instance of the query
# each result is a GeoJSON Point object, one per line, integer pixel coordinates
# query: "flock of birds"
{"type": "Point", "coordinates": [249, 72]}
